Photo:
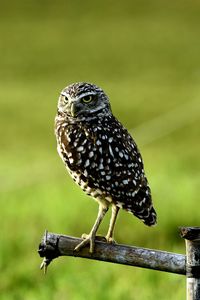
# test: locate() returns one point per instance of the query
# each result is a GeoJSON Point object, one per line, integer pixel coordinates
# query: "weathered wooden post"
{"type": "Point", "coordinates": [54, 245]}
{"type": "Point", "coordinates": [192, 239]}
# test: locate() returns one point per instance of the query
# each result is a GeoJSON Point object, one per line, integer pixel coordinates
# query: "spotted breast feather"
{"type": "Point", "coordinates": [104, 160]}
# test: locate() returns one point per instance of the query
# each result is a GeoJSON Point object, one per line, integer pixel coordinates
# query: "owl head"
{"type": "Point", "coordinates": [83, 101]}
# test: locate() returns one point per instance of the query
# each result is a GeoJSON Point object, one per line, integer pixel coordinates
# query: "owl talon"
{"type": "Point", "coordinates": [84, 236]}
{"type": "Point", "coordinates": [87, 239]}
{"type": "Point", "coordinates": [110, 240]}
{"type": "Point", "coordinates": [100, 238]}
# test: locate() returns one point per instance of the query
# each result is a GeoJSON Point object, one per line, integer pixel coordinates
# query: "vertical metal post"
{"type": "Point", "coordinates": [192, 239]}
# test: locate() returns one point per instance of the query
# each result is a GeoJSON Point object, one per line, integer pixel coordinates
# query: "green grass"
{"type": "Point", "coordinates": [145, 54]}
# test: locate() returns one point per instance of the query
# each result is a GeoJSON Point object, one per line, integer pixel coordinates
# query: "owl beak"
{"type": "Point", "coordinates": [73, 110]}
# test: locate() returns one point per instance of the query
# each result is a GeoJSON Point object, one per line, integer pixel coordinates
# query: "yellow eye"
{"type": "Point", "coordinates": [65, 99]}
{"type": "Point", "coordinates": [87, 99]}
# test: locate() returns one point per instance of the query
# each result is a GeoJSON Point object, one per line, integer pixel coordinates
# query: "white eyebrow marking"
{"type": "Point", "coordinates": [86, 94]}
{"type": "Point", "coordinates": [63, 94]}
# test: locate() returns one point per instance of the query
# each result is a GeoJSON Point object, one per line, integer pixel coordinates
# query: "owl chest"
{"type": "Point", "coordinates": [84, 157]}
{"type": "Point", "coordinates": [77, 149]}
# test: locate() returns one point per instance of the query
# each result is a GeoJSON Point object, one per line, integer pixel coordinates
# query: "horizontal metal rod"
{"type": "Point", "coordinates": [54, 245]}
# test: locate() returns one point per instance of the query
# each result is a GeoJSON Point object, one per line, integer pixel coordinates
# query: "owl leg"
{"type": "Point", "coordinates": [109, 236]}
{"type": "Point", "coordinates": [90, 238]}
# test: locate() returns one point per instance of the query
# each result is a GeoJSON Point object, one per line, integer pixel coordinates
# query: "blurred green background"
{"type": "Point", "coordinates": [146, 56]}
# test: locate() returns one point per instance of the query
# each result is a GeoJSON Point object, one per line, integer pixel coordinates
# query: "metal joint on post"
{"type": "Point", "coordinates": [48, 249]}
{"type": "Point", "coordinates": [193, 271]}
{"type": "Point", "coordinates": [192, 239]}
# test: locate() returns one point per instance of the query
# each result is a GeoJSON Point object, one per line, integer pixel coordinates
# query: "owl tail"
{"type": "Point", "coordinates": [151, 219]}
{"type": "Point", "coordinates": [142, 206]}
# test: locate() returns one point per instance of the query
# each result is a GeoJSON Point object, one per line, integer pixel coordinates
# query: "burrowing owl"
{"type": "Point", "coordinates": [101, 157]}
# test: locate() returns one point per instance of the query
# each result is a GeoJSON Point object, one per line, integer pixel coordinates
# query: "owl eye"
{"type": "Point", "coordinates": [87, 99]}
{"type": "Point", "coordinates": [66, 99]}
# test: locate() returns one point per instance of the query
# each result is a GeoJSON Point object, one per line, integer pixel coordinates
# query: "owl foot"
{"type": "Point", "coordinates": [87, 239]}
{"type": "Point", "coordinates": [100, 238]}
{"type": "Point", "coordinates": [110, 240]}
